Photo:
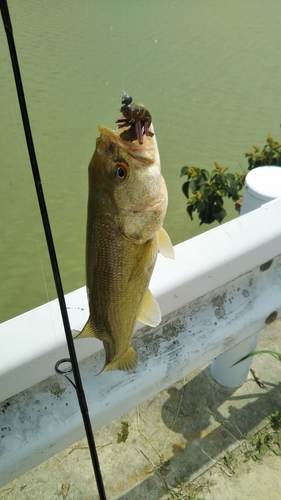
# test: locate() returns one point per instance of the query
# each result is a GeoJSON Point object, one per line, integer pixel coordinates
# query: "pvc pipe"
{"type": "Point", "coordinates": [262, 184]}
{"type": "Point", "coordinates": [222, 368]}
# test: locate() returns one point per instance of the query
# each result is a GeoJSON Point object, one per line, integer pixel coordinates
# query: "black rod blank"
{"type": "Point", "coordinates": [52, 253]}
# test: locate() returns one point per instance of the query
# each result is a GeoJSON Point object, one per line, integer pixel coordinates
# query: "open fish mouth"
{"type": "Point", "coordinates": [146, 153]}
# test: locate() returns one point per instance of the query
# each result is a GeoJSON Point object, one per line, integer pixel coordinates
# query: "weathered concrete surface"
{"type": "Point", "coordinates": [173, 438]}
{"type": "Point", "coordinates": [251, 481]}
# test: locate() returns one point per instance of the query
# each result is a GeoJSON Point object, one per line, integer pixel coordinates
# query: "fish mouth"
{"type": "Point", "coordinates": [146, 153]}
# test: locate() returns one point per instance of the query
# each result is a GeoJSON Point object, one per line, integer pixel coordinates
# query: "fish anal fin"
{"type": "Point", "coordinates": [149, 313]}
{"type": "Point", "coordinates": [126, 362]}
{"type": "Point", "coordinates": [164, 244]}
{"type": "Point", "coordinates": [86, 332]}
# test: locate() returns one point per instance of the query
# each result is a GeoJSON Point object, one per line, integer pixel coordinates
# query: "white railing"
{"type": "Point", "coordinates": [215, 297]}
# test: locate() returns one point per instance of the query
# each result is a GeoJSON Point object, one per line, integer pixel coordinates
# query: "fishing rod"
{"type": "Point", "coordinates": [51, 248]}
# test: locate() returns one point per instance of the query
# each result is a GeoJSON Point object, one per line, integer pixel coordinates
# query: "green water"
{"type": "Point", "coordinates": [208, 71]}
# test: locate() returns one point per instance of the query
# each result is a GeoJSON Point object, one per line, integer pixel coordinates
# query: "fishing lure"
{"type": "Point", "coordinates": [136, 117]}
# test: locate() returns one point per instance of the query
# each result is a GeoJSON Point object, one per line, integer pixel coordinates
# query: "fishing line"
{"type": "Point", "coordinates": [123, 51]}
{"type": "Point", "coordinates": [49, 239]}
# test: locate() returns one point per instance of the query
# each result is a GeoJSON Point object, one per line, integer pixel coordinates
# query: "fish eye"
{"type": "Point", "coordinates": [120, 172]}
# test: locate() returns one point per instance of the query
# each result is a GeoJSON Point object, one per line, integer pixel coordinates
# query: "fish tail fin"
{"type": "Point", "coordinates": [164, 244]}
{"type": "Point", "coordinates": [86, 332]}
{"type": "Point", "coordinates": [127, 361]}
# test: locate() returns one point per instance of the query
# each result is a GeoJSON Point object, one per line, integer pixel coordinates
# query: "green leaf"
{"type": "Point", "coordinates": [263, 449]}
{"type": "Point", "coordinates": [220, 216]}
{"type": "Point", "coordinates": [201, 206]}
{"type": "Point", "coordinates": [185, 188]}
{"type": "Point", "coordinates": [203, 188]}
{"type": "Point", "coordinates": [262, 438]}
{"type": "Point", "coordinates": [203, 177]}
{"type": "Point", "coordinates": [254, 441]}
{"type": "Point", "coordinates": [205, 216]}
{"type": "Point", "coordinates": [230, 177]}
{"type": "Point", "coordinates": [192, 201]}
{"type": "Point", "coordinates": [255, 353]}
{"type": "Point", "coordinates": [189, 210]}
{"type": "Point", "coordinates": [193, 186]}
{"type": "Point", "coordinates": [184, 171]}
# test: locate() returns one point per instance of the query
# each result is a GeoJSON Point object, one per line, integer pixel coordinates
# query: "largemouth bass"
{"type": "Point", "coordinates": [127, 203]}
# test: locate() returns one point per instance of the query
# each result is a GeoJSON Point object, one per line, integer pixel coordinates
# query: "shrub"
{"type": "Point", "coordinates": [269, 155]}
{"type": "Point", "coordinates": [205, 190]}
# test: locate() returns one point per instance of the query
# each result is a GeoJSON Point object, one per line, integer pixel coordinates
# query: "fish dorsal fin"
{"type": "Point", "coordinates": [164, 244]}
{"type": "Point", "coordinates": [149, 313]}
{"type": "Point", "coordinates": [86, 332]}
{"type": "Point", "coordinates": [147, 260]}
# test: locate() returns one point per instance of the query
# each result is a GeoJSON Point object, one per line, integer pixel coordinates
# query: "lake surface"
{"type": "Point", "coordinates": [208, 72]}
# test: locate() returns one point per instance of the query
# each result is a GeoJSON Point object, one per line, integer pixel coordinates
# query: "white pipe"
{"type": "Point", "coordinates": [262, 185]}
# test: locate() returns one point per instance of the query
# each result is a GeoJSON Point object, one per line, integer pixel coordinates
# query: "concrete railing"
{"type": "Point", "coordinates": [220, 291]}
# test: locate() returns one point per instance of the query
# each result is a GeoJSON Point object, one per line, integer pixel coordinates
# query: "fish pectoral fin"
{"type": "Point", "coordinates": [127, 361]}
{"type": "Point", "coordinates": [164, 244]}
{"type": "Point", "coordinates": [149, 313]}
{"type": "Point", "coordinates": [86, 332]}
{"type": "Point", "coordinates": [147, 260]}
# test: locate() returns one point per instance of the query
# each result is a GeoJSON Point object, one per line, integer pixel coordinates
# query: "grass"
{"type": "Point", "coordinates": [275, 354]}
